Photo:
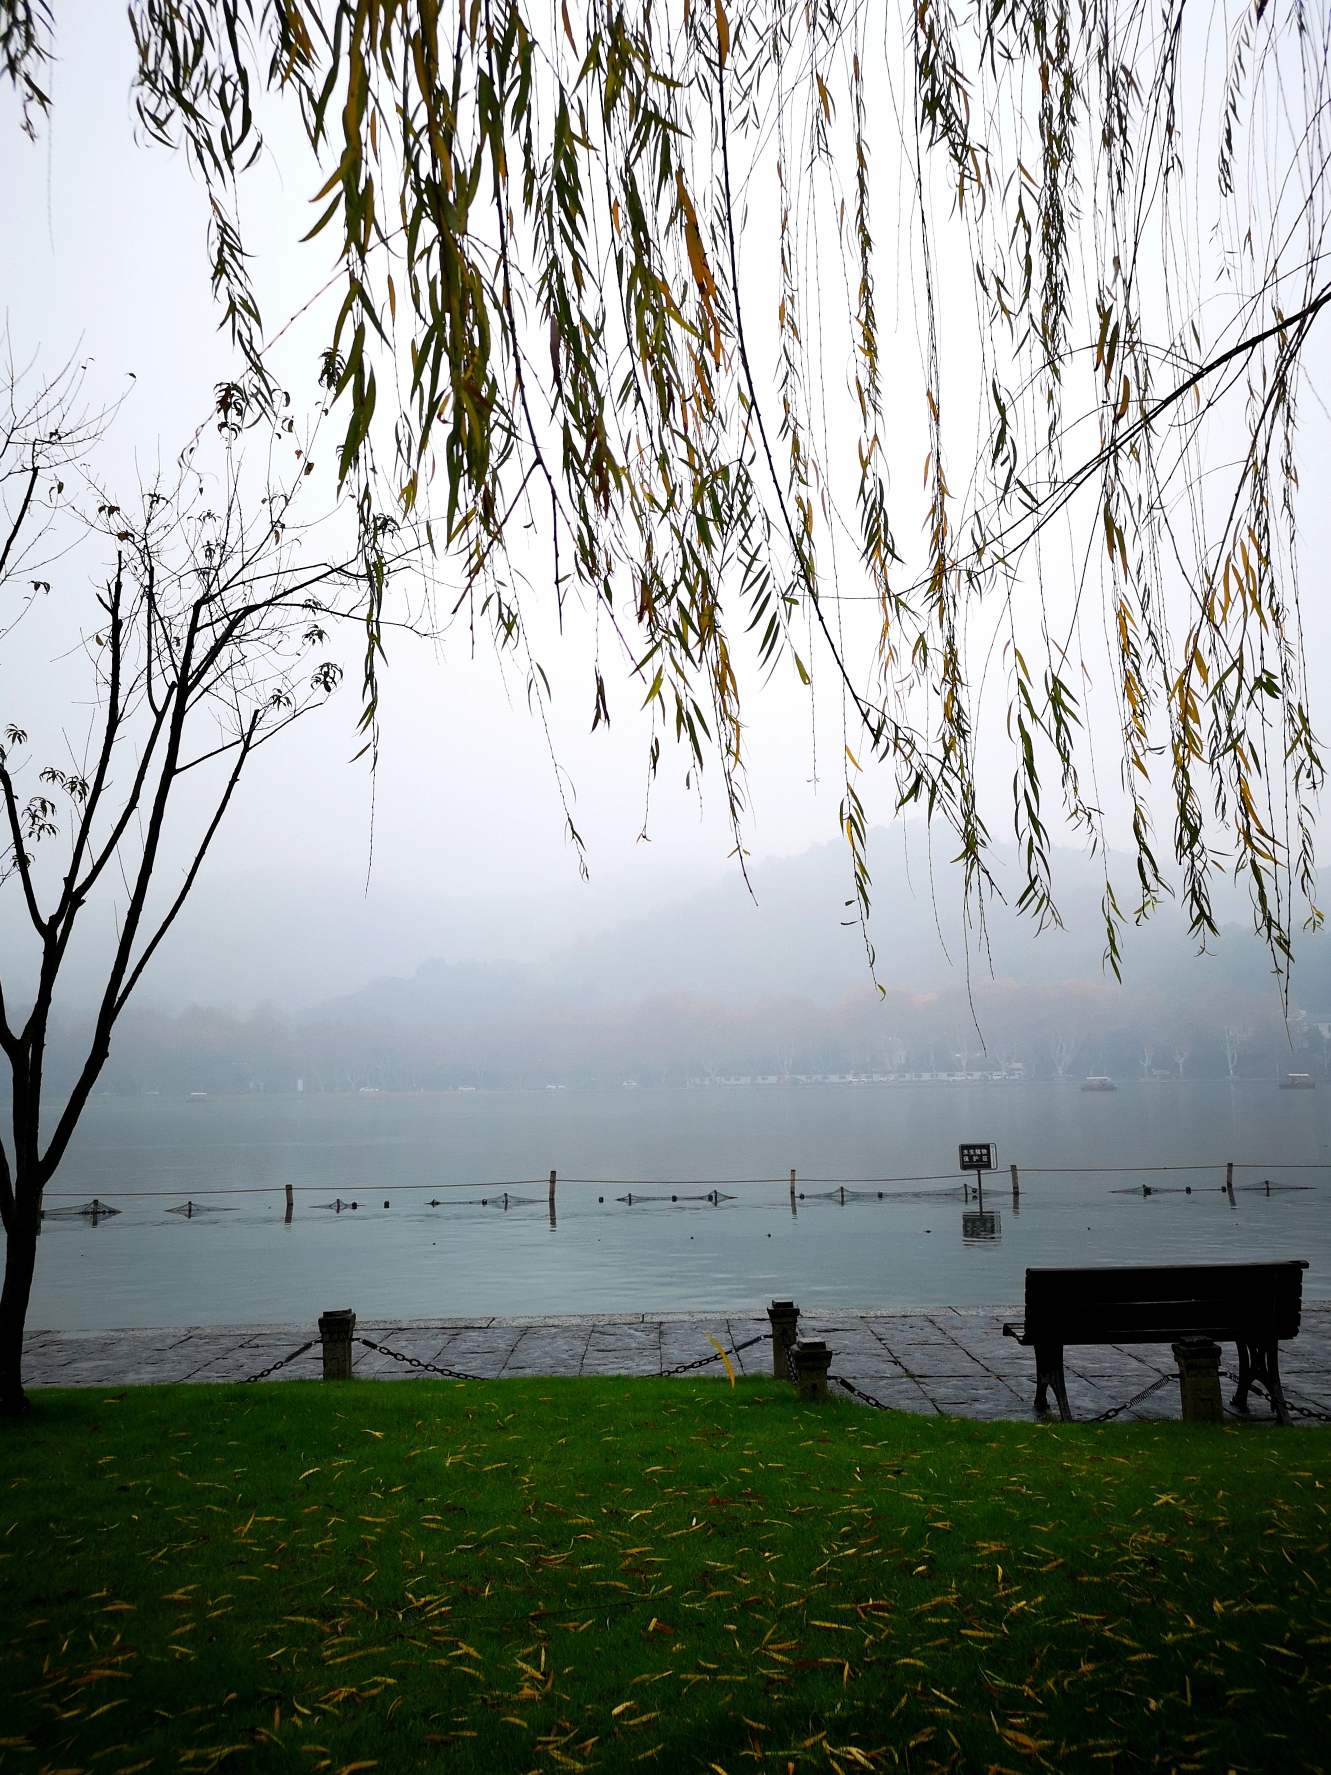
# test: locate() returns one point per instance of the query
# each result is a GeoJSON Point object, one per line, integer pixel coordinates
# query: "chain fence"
{"type": "Point", "coordinates": [281, 1362]}
{"type": "Point", "coordinates": [715, 1356]}
{"type": "Point", "coordinates": [849, 1386]}
{"type": "Point", "coordinates": [1312, 1412]}
{"type": "Point", "coordinates": [449, 1374]}
{"type": "Point", "coordinates": [1116, 1411]}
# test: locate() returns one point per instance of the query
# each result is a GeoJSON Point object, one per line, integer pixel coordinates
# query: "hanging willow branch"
{"type": "Point", "coordinates": [626, 264]}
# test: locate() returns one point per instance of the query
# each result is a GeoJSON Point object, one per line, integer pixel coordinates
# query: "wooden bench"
{"type": "Point", "coordinates": [1252, 1305]}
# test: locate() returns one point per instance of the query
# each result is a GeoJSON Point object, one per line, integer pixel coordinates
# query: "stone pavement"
{"type": "Point", "coordinates": [941, 1361]}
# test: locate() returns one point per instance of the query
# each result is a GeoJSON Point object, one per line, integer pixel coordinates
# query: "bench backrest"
{"type": "Point", "coordinates": [1258, 1301]}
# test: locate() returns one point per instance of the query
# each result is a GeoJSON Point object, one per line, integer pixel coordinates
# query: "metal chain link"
{"type": "Point", "coordinates": [702, 1361]}
{"type": "Point", "coordinates": [1106, 1417]}
{"type": "Point", "coordinates": [1304, 1411]}
{"type": "Point", "coordinates": [449, 1374]}
{"type": "Point", "coordinates": [280, 1363]}
{"type": "Point", "coordinates": [455, 1374]}
{"type": "Point", "coordinates": [850, 1387]}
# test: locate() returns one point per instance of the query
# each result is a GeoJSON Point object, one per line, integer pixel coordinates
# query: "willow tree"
{"type": "Point", "coordinates": [626, 272]}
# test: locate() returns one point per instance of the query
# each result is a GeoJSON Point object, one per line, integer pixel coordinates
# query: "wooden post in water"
{"type": "Point", "coordinates": [1016, 1187]}
{"type": "Point", "coordinates": [1229, 1183]}
{"type": "Point", "coordinates": [552, 1198]}
{"type": "Point", "coordinates": [291, 1204]}
{"type": "Point", "coordinates": [793, 1209]}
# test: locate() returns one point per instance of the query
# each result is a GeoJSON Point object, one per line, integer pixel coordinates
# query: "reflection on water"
{"type": "Point", "coordinates": [981, 1224]}
{"type": "Point", "coordinates": [422, 1206]}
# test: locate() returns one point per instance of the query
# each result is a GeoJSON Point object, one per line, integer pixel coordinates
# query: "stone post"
{"type": "Point", "coordinates": [785, 1318]}
{"type": "Point", "coordinates": [1199, 1380]}
{"type": "Point", "coordinates": [335, 1328]}
{"type": "Point", "coordinates": [812, 1361]}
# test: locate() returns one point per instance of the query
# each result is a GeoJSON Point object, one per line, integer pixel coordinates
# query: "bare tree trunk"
{"type": "Point", "coordinates": [20, 1258]}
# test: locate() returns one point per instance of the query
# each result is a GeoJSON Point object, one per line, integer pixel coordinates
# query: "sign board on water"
{"type": "Point", "coordinates": [978, 1155]}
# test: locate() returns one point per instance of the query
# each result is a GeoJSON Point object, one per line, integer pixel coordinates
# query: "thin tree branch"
{"type": "Point", "coordinates": [20, 854]}
{"type": "Point", "coordinates": [22, 514]}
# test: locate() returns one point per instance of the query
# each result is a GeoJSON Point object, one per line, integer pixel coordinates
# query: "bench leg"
{"type": "Point", "coordinates": [1273, 1385]}
{"type": "Point", "coordinates": [1043, 1374]}
{"type": "Point", "coordinates": [1261, 1363]}
{"type": "Point", "coordinates": [1061, 1390]}
{"type": "Point", "coordinates": [1049, 1373]}
{"type": "Point", "coordinates": [1245, 1377]}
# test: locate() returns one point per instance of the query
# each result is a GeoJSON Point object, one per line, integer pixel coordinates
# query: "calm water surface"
{"type": "Point", "coordinates": [1083, 1159]}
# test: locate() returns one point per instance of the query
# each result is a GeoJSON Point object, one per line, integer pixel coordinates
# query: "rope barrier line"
{"type": "Point", "coordinates": [637, 1183]}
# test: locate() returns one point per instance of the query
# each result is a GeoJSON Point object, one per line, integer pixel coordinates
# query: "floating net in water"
{"type": "Point", "coordinates": [94, 1211]}
{"type": "Point", "coordinates": [500, 1199]}
{"type": "Point", "coordinates": [190, 1209]}
{"type": "Point", "coordinates": [1264, 1188]}
{"type": "Point", "coordinates": [713, 1196]}
{"type": "Point", "coordinates": [846, 1193]}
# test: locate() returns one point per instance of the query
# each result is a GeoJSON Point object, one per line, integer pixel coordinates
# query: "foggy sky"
{"type": "Point", "coordinates": [106, 257]}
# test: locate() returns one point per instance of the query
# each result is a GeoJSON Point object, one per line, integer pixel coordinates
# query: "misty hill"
{"type": "Point", "coordinates": [720, 983]}
{"type": "Point", "coordinates": [788, 938]}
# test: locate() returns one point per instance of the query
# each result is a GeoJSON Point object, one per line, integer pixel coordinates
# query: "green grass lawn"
{"type": "Point", "coordinates": [553, 1575]}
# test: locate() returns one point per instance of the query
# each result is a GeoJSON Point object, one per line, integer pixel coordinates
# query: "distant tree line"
{"type": "Point", "coordinates": [1039, 1032]}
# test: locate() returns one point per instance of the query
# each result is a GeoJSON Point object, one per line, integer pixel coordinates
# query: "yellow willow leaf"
{"type": "Point", "coordinates": [702, 271]}
{"type": "Point", "coordinates": [722, 34]}
{"type": "Point", "coordinates": [729, 1370]}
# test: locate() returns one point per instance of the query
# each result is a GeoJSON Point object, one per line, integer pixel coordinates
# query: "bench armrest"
{"type": "Point", "coordinates": [1015, 1328]}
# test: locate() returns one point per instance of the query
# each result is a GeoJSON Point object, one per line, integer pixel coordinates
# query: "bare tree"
{"type": "Point", "coordinates": [1235, 1037]}
{"type": "Point", "coordinates": [1148, 1054]}
{"type": "Point", "coordinates": [1181, 1058]}
{"type": "Point", "coordinates": [1062, 1050]}
{"type": "Point", "coordinates": [202, 642]}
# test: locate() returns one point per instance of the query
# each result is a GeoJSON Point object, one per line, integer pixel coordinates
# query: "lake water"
{"type": "Point", "coordinates": [438, 1249]}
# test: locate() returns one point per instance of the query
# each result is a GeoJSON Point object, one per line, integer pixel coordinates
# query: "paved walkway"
{"type": "Point", "coordinates": [946, 1361]}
